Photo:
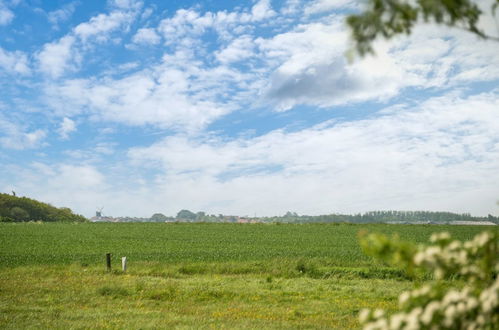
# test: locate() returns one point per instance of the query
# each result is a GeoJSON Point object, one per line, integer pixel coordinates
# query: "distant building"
{"type": "Point", "coordinates": [472, 223]}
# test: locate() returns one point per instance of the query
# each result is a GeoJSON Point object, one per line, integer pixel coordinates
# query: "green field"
{"type": "Point", "coordinates": [196, 275]}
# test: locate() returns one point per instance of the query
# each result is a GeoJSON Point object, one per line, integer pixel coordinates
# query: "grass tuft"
{"type": "Point", "coordinates": [113, 291]}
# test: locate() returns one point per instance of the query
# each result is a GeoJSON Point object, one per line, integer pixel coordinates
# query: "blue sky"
{"type": "Point", "coordinates": [247, 107]}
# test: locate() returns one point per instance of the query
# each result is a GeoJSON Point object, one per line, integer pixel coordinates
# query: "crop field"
{"type": "Point", "coordinates": [196, 275]}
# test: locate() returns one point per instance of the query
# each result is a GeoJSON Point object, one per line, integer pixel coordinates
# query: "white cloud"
{"type": "Point", "coordinates": [439, 56]}
{"type": "Point", "coordinates": [15, 136]}
{"type": "Point", "coordinates": [14, 62]}
{"type": "Point", "coordinates": [304, 66]}
{"type": "Point", "coordinates": [308, 65]}
{"type": "Point", "coordinates": [67, 126]}
{"type": "Point", "coordinates": [146, 36]}
{"type": "Point", "coordinates": [185, 22]}
{"type": "Point", "coordinates": [238, 50]}
{"type": "Point", "coordinates": [291, 7]}
{"type": "Point", "coordinates": [6, 15]}
{"type": "Point", "coordinates": [125, 4]}
{"type": "Point", "coordinates": [440, 154]}
{"type": "Point", "coordinates": [435, 156]}
{"type": "Point", "coordinates": [59, 57]}
{"type": "Point", "coordinates": [262, 10]}
{"type": "Point", "coordinates": [163, 99]}
{"type": "Point", "coordinates": [321, 6]}
{"type": "Point", "coordinates": [311, 68]}
{"type": "Point", "coordinates": [179, 93]}
{"type": "Point", "coordinates": [62, 14]}
{"type": "Point", "coordinates": [56, 58]}
{"type": "Point", "coordinates": [189, 23]}
{"type": "Point", "coordinates": [101, 25]}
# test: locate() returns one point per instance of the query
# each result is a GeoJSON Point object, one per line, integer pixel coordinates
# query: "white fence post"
{"type": "Point", "coordinates": [123, 263]}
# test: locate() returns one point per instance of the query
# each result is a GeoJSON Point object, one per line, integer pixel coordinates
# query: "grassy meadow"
{"type": "Point", "coordinates": [196, 275]}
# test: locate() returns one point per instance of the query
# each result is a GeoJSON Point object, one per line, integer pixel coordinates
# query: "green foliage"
{"type": "Point", "coordinates": [186, 214]}
{"type": "Point", "coordinates": [388, 18]}
{"type": "Point", "coordinates": [392, 251]}
{"type": "Point", "coordinates": [19, 214]}
{"type": "Point", "coordinates": [159, 217]}
{"type": "Point", "coordinates": [18, 209]}
{"type": "Point", "coordinates": [436, 305]}
{"type": "Point", "coordinates": [6, 219]}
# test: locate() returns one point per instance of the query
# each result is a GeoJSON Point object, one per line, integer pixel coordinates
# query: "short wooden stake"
{"type": "Point", "coordinates": [123, 263]}
{"type": "Point", "coordinates": [108, 261]}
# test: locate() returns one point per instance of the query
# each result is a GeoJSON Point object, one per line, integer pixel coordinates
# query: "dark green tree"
{"type": "Point", "coordinates": [186, 214]}
{"type": "Point", "coordinates": [159, 217]}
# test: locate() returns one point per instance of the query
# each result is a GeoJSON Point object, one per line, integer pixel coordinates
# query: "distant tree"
{"type": "Point", "coordinates": [159, 217]}
{"type": "Point", "coordinates": [186, 214]}
{"type": "Point", "coordinates": [26, 209]}
{"type": "Point", "coordinates": [388, 18]}
{"type": "Point", "coordinates": [200, 216]}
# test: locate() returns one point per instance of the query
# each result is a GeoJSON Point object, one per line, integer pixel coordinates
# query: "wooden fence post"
{"type": "Point", "coordinates": [108, 261]}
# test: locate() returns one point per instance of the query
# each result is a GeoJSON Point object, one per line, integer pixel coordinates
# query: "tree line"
{"type": "Point", "coordinates": [22, 209]}
{"type": "Point", "coordinates": [366, 217]}
{"type": "Point", "coordinates": [384, 216]}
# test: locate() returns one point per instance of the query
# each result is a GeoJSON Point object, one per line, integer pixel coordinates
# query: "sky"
{"type": "Point", "coordinates": [242, 108]}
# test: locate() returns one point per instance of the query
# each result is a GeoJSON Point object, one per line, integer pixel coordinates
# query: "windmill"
{"type": "Point", "coordinates": [98, 213]}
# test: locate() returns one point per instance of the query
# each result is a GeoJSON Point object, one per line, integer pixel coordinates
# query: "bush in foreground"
{"type": "Point", "coordinates": [435, 305]}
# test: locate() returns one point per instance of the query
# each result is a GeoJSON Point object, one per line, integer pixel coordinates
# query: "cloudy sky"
{"type": "Point", "coordinates": [242, 107]}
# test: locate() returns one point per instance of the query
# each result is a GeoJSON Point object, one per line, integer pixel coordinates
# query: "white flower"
{"type": "Point", "coordinates": [364, 315]}
{"type": "Point", "coordinates": [370, 326]}
{"type": "Point", "coordinates": [412, 320]}
{"type": "Point", "coordinates": [419, 258]}
{"type": "Point", "coordinates": [381, 324]}
{"type": "Point", "coordinates": [451, 296]}
{"type": "Point", "coordinates": [404, 298]}
{"type": "Point", "coordinates": [450, 314]}
{"type": "Point", "coordinates": [472, 326]}
{"type": "Point", "coordinates": [472, 303]}
{"type": "Point", "coordinates": [431, 253]}
{"type": "Point", "coordinates": [454, 245]}
{"type": "Point", "coordinates": [462, 257]}
{"type": "Point", "coordinates": [483, 238]}
{"type": "Point", "coordinates": [379, 313]}
{"type": "Point", "coordinates": [424, 290]}
{"type": "Point", "coordinates": [439, 273]}
{"type": "Point", "coordinates": [439, 237]}
{"type": "Point", "coordinates": [396, 321]}
{"type": "Point", "coordinates": [461, 308]}
{"type": "Point", "coordinates": [429, 310]}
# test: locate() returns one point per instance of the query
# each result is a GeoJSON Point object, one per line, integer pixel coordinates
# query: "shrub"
{"type": "Point", "coordinates": [436, 305]}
